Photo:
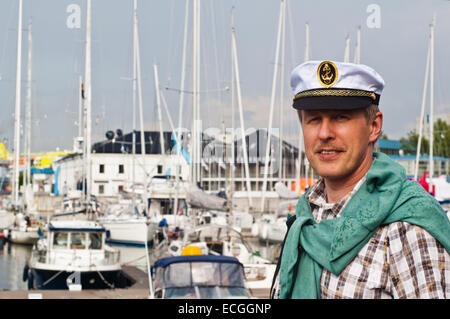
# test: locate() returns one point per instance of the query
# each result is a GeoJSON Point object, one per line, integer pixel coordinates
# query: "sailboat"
{"type": "Point", "coordinates": [437, 186]}
{"type": "Point", "coordinates": [136, 221]}
{"type": "Point", "coordinates": [221, 238]}
{"type": "Point", "coordinates": [24, 229]}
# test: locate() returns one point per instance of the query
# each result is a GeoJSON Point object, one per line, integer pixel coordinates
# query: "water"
{"type": "Point", "coordinates": [13, 258]}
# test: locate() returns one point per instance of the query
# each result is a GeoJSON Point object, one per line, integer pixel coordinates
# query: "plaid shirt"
{"type": "Point", "coordinates": [399, 261]}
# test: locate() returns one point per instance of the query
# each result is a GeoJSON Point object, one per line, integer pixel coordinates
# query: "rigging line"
{"type": "Point", "coordinates": [50, 279]}
{"type": "Point", "coordinates": [104, 280]}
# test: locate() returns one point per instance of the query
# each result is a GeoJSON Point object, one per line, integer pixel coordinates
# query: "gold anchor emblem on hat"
{"type": "Point", "coordinates": [327, 73]}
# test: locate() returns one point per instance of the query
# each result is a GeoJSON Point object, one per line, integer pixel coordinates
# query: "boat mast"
{"type": "Point", "coordinates": [27, 175]}
{"type": "Point", "coordinates": [87, 107]}
{"type": "Point", "coordinates": [133, 157]}
{"type": "Point", "coordinates": [300, 135]}
{"type": "Point", "coordinates": [347, 49]}
{"type": "Point", "coordinates": [422, 111]}
{"type": "Point", "coordinates": [15, 181]}
{"type": "Point", "coordinates": [180, 111]}
{"type": "Point", "coordinates": [241, 115]}
{"type": "Point", "coordinates": [272, 102]}
{"type": "Point", "coordinates": [281, 170]}
{"type": "Point", "coordinates": [232, 164]}
{"type": "Point", "coordinates": [357, 57]}
{"type": "Point", "coordinates": [158, 104]}
{"type": "Point", "coordinates": [196, 132]}
{"type": "Point", "coordinates": [137, 80]}
{"type": "Point", "coordinates": [139, 91]}
{"type": "Point", "coordinates": [430, 184]}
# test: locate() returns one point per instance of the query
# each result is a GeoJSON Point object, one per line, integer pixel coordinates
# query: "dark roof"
{"type": "Point", "coordinates": [123, 144]}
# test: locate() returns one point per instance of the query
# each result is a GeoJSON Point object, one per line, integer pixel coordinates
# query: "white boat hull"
{"type": "Point", "coordinates": [28, 237]}
{"type": "Point", "coordinates": [130, 232]}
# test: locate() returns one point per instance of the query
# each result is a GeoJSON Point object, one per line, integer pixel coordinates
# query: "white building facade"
{"type": "Point", "coordinates": [113, 173]}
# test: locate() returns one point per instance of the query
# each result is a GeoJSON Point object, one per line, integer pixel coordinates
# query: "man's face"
{"type": "Point", "coordinates": [338, 143]}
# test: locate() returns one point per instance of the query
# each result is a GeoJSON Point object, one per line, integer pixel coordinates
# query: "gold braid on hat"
{"type": "Point", "coordinates": [335, 92]}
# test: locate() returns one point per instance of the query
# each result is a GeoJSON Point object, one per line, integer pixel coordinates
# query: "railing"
{"type": "Point", "coordinates": [110, 257]}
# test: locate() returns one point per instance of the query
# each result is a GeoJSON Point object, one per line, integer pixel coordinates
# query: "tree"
{"type": "Point", "coordinates": [441, 141]}
{"type": "Point", "coordinates": [383, 135]}
{"type": "Point", "coordinates": [409, 144]}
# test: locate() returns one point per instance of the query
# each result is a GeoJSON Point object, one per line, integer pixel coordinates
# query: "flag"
{"type": "Point", "coordinates": [40, 228]}
{"type": "Point", "coordinates": [182, 150]}
{"type": "Point", "coordinates": [82, 91]}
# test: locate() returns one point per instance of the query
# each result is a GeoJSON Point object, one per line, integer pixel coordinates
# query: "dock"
{"type": "Point", "coordinates": [138, 290]}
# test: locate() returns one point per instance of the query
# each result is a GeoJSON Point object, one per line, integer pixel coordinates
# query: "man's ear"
{"type": "Point", "coordinates": [375, 127]}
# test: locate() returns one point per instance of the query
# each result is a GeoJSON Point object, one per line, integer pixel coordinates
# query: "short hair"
{"type": "Point", "coordinates": [371, 112]}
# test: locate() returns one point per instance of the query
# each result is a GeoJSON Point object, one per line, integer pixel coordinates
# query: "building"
{"type": "Point", "coordinates": [393, 149]}
{"type": "Point", "coordinates": [114, 168]}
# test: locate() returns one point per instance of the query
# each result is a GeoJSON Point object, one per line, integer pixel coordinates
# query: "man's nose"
{"type": "Point", "coordinates": [326, 131]}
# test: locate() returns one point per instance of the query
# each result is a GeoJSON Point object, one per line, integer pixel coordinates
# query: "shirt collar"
{"type": "Point", "coordinates": [318, 197]}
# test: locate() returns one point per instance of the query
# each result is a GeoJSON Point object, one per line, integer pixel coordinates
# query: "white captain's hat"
{"type": "Point", "coordinates": [322, 85]}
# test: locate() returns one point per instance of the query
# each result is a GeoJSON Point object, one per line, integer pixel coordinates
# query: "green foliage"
{"type": "Point", "coordinates": [441, 141]}
{"type": "Point", "coordinates": [409, 144]}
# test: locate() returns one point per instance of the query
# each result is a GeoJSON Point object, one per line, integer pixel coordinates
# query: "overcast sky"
{"type": "Point", "coordinates": [394, 41]}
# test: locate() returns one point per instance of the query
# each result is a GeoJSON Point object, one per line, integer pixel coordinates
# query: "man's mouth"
{"type": "Point", "coordinates": [329, 153]}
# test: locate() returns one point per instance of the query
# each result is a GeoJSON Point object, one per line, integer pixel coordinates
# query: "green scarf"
{"type": "Point", "coordinates": [385, 197]}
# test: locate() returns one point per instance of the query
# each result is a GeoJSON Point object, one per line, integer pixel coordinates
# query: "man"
{"type": "Point", "coordinates": [363, 230]}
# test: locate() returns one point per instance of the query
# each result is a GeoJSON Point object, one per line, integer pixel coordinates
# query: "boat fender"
{"type": "Point", "coordinates": [255, 229]}
{"type": "Point", "coordinates": [30, 281]}
{"type": "Point", "coordinates": [25, 272]}
{"type": "Point", "coordinates": [265, 231]}
{"type": "Point", "coordinates": [163, 223]}
{"type": "Point", "coordinates": [108, 234]}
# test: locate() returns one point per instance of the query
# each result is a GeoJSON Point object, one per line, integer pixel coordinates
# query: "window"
{"type": "Point", "coordinates": [121, 169]}
{"type": "Point", "coordinates": [101, 189]}
{"type": "Point", "coordinates": [60, 240]}
{"type": "Point", "coordinates": [78, 241]}
{"type": "Point", "coordinates": [160, 169]}
{"type": "Point", "coordinates": [101, 169]}
{"type": "Point", "coordinates": [95, 241]}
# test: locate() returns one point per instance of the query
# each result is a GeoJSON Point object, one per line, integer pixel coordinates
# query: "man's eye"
{"type": "Point", "coordinates": [341, 117]}
{"type": "Point", "coordinates": [313, 119]}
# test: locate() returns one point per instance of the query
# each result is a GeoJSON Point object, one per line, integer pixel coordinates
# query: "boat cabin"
{"type": "Point", "coordinates": [76, 243]}
{"type": "Point", "coordinates": [199, 276]}
{"type": "Point", "coordinates": [86, 236]}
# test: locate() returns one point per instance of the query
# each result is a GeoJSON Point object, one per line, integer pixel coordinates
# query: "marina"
{"type": "Point", "coordinates": [150, 150]}
{"type": "Point", "coordinates": [14, 257]}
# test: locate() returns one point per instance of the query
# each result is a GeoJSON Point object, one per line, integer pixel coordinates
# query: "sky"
{"type": "Point", "coordinates": [394, 41]}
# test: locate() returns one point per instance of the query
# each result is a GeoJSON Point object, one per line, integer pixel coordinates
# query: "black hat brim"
{"type": "Point", "coordinates": [333, 102]}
